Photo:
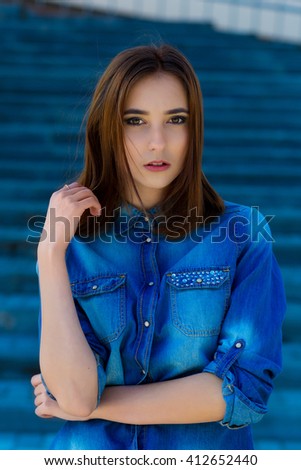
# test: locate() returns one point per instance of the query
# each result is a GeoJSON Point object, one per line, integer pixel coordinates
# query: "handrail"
{"type": "Point", "coordinates": [291, 6]}
{"type": "Point", "coordinates": [274, 19]}
{"type": "Point", "coordinates": [282, 18]}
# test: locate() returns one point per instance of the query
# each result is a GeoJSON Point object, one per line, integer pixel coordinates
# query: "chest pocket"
{"type": "Point", "coordinates": [199, 300]}
{"type": "Point", "coordinates": [103, 300]}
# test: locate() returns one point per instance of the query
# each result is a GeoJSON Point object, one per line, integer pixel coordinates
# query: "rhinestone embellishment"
{"type": "Point", "coordinates": [204, 278]}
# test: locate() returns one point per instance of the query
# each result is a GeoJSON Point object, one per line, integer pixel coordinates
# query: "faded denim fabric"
{"type": "Point", "coordinates": [154, 310]}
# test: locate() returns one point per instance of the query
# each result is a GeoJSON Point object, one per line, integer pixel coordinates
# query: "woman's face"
{"type": "Point", "coordinates": [155, 123]}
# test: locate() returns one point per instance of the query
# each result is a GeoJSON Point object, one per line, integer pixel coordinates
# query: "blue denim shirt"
{"type": "Point", "coordinates": [154, 310]}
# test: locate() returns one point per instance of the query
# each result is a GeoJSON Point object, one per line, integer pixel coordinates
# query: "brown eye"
{"type": "Point", "coordinates": [134, 121]}
{"type": "Point", "coordinates": [178, 120]}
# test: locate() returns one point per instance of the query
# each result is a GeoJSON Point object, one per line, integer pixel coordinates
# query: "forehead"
{"type": "Point", "coordinates": [157, 90]}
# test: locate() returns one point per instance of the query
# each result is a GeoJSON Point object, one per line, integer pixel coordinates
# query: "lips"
{"type": "Point", "coordinates": [157, 165]}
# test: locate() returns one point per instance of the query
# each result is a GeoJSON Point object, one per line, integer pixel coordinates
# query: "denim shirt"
{"type": "Point", "coordinates": [154, 310]}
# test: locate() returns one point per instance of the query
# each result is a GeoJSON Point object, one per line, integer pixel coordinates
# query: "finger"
{"type": "Point", "coordinates": [90, 203]}
{"type": "Point", "coordinates": [69, 186]}
{"type": "Point", "coordinates": [39, 411]}
{"type": "Point", "coordinates": [39, 389]}
{"type": "Point", "coordinates": [39, 400]}
{"type": "Point", "coordinates": [36, 380]}
{"type": "Point", "coordinates": [82, 193]}
{"type": "Point", "coordinates": [96, 211]}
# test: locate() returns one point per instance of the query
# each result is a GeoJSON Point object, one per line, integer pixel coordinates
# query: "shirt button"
{"type": "Point", "coordinates": [95, 287]}
{"type": "Point", "coordinates": [238, 345]}
{"type": "Point", "coordinates": [151, 283]}
{"type": "Point", "coordinates": [146, 219]}
{"type": "Point", "coordinates": [143, 371]}
{"type": "Point", "coordinates": [146, 324]}
{"type": "Point", "coordinates": [148, 240]}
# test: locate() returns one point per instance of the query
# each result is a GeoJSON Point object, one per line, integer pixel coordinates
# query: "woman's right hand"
{"type": "Point", "coordinates": [47, 407]}
{"type": "Point", "coordinates": [66, 206]}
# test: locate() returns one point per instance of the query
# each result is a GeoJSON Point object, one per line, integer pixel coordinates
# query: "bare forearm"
{"type": "Point", "coordinates": [67, 362]}
{"type": "Point", "coordinates": [193, 399]}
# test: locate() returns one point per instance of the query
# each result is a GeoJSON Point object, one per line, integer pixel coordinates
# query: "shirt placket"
{"type": "Point", "coordinates": [147, 302]}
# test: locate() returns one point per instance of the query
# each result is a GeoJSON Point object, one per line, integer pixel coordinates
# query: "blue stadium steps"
{"type": "Point", "coordinates": [50, 62]}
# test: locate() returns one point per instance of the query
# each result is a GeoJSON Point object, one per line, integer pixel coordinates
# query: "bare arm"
{"type": "Point", "coordinates": [67, 362]}
{"type": "Point", "coordinates": [193, 399]}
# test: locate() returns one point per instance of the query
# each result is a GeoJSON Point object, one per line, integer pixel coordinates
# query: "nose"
{"type": "Point", "coordinates": [156, 139]}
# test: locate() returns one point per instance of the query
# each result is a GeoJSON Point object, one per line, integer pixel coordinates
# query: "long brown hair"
{"type": "Point", "coordinates": [106, 171]}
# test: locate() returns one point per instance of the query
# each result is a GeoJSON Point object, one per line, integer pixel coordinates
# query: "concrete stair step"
{"type": "Point", "coordinates": [269, 200]}
{"type": "Point", "coordinates": [222, 46]}
{"type": "Point", "coordinates": [112, 24]}
{"type": "Point", "coordinates": [255, 137]}
{"type": "Point", "coordinates": [45, 171]}
{"type": "Point", "coordinates": [17, 409]}
{"type": "Point", "coordinates": [282, 422]}
{"type": "Point", "coordinates": [19, 355]}
{"type": "Point", "coordinates": [20, 243]}
{"type": "Point", "coordinates": [292, 324]}
{"type": "Point", "coordinates": [274, 155]}
{"type": "Point", "coordinates": [18, 274]}
{"type": "Point", "coordinates": [266, 104]}
{"type": "Point", "coordinates": [42, 102]}
{"type": "Point", "coordinates": [288, 379]}
{"type": "Point", "coordinates": [19, 313]}
{"type": "Point", "coordinates": [25, 440]}
{"type": "Point", "coordinates": [288, 253]}
{"type": "Point", "coordinates": [292, 280]}
{"type": "Point", "coordinates": [39, 191]}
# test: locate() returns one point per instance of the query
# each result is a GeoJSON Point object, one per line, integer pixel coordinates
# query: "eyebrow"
{"type": "Point", "coordinates": [146, 113]}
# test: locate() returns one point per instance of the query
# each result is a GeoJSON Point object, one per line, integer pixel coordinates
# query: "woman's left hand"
{"type": "Point", "coordinates": [47, 407]}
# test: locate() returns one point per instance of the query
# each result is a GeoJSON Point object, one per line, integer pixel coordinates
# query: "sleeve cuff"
{"type": "Point", "coordinates": [240, 411]}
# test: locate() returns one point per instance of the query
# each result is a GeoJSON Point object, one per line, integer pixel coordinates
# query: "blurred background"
{"type": "Point", "coordinates": [248, 58]}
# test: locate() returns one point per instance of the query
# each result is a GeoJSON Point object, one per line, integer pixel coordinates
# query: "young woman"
{"type": "Point", "coordinates": [161, 303]}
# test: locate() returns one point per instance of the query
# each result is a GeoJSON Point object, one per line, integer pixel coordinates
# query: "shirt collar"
{"type": "Point", "coordinates": [129, 216]}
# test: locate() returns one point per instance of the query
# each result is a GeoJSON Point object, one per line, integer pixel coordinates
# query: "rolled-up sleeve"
{"type": "Point", "coordinates": [248, 357]}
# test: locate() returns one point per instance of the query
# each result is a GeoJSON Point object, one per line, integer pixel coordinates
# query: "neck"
{"type": "Point", "coordinates": [146, 200]}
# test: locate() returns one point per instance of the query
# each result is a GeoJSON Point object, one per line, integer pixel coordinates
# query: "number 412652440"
{"type": "Point", "coordinates": [222, 459]}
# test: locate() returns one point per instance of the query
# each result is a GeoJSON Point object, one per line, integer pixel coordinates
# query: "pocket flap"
{"type": "Point", "coordinates": [97, 285]}
{"type": "Point", "coordinates": [198, 278]}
